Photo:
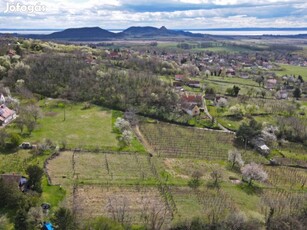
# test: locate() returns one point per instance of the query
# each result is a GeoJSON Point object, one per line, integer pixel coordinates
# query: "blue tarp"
{"type": "Point", "coordinates": [48, 226]}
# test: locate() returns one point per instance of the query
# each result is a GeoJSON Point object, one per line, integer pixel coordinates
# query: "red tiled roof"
{"type": "Point", "coordinates": [191, 98]}
{"type": "Point", "coordinates": [5, 112]}
{"type": "Point", "coordinates": [179, 76]}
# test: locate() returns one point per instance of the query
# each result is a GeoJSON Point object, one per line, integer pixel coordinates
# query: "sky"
{"type": "Point", "coordinates": [174, 14]}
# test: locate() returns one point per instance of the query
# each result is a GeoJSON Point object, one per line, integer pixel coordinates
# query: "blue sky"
{"type": "Point", "coordinates": [174, 14]}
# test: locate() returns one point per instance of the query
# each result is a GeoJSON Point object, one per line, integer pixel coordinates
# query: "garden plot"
{"type": "Point", "coordinates": [124, 204]}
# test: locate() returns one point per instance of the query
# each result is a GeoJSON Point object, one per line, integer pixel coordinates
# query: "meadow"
{"type": "Point", "coordinates": [292, 70]}
{"type": "Point", "coordinates": [74, 126]}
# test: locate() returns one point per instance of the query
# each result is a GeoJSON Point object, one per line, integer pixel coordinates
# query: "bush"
{"type": "Point", "coordinates": [35, 174]}
{"type": "Point", "coordinates": [63, 219]}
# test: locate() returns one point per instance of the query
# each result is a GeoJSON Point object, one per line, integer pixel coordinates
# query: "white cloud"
{"type": "Point", "coordinates": [117, 14]}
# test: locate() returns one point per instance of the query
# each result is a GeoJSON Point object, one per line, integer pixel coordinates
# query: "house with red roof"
{"type": "Point", "coordinates": [179, 77]}
{"type": "Point", "coordinates": [6, 115]}
{"type": "Point", "coordinates": [192, 104]}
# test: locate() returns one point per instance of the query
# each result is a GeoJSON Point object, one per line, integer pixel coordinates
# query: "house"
{"type": "Point", "coordinates": [263, 149]}
{"type": "Point", "coordinates": [197, 99]}
{"type": "Point", "coordinates": [177, 84]}
{"type": "Point", "coordinates": [10, 178]}
{"type": "Point", "coordinates": [179, 77]}
{"type": "Point", "coordinates": [191, 109]}
{"type": "Point", "coordinates": [259, 144]}
{"type": "Point", "coordinates": [282, 94]}
{"type": "Point", "coordinates": [195, 84]}
{"type": "Point", "coordinates": [230, 72]}
{"type": "Point", "coordinates": [192, 104]}
{"type": "Point", "coordinates": [6, 115]}
{"type": "Point", "coordinates": [270, 83]}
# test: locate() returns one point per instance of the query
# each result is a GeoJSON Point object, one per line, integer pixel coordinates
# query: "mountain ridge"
{"type": "Point", "coordinates": [97, 33]}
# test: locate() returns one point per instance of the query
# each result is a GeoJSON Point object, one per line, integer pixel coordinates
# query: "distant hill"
{"type": "Point", "coordinates": [138, 32]}
{"type": "Point", "coordinates": [96, 33]}
{"type": "Point", "coordinates": [77, 34]}
{"type": "Point", "coordinates": [149, 31]}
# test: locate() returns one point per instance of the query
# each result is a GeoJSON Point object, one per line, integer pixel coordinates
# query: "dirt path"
{"type": "Point", "coordinates": [143, 140]}
{"type": "Point", "coordinates": [219, 125]}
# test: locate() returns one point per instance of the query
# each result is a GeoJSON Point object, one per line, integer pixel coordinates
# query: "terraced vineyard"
{"type": "Point", "coordinates": [176, 141]}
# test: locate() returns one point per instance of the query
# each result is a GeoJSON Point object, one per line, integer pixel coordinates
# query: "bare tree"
{"type": "Point", "coordinates": [216, 175]}
{"type": "Point", "coordinates": [252, 172]}
{"type": "Point", "coordinates": [34, 111]}
{"type": "Point", "coordinates": [118, 207]}
{"type": "Point", "coordinates": [154, 214]}
{"type": "Point", "coordinates": [235, 158]}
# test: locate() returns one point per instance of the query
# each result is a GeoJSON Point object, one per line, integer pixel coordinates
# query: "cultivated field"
{"type": "Point", "coordinates": [130, 205]}
{"type": "Point", "coordinates": [177, 141]}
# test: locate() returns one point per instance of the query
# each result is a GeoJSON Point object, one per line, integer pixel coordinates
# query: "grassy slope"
{"type": "Point", "coordinates": [91, 127]}
{"type": "Point", "coordinates": [290, 70]}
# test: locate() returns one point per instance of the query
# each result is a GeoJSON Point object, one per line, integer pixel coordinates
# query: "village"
{"type": "Point", "coordinates": [75, 139]}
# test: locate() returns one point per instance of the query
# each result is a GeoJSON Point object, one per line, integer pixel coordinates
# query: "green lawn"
{"type": "Point", "coordinates": [91, 127]}
{"type": "Point", "coordinates": [290, 70]}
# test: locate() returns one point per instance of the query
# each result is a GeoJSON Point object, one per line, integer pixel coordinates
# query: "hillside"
{"type": "Point", "coordinates": [96, 33]}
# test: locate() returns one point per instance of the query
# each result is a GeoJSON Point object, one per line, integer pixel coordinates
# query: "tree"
{"type": "Point", "coordinates": [236, 90]}
{"type": "Point", "coordinates": [154, 214]}
{"type": "Point", "coordinates": [297, 93]}
{"type": "Point", "coordinates": [263, 93]}
{"type": "Point", "coordinates": [35, 217]}
{"type": "Point", "coordinates": [63, 106]}
{"type": "Point", "coordinates": [15, 140]}
{"type": "Point", "coordinates": [251, 108]}
{"type": "Point", "coordinates": [63, 219]}
{"type": "Point", "coordinates": [126, 137]}
{"type": "Point", "coordinates": [235, 158]}
{"type": "Point", "coordinates": [260, 80]}
{"type": "Point", "coordinates": [20, 123]}
{"type": "Point", "coordinates": [34, 111]}
{"type": "Point", "coordinates": [236, 111]}
{"type": "Point", "coordinates": [253, 171]}
{"type": "Point", "coordinates": [195, 181]}
{"type": "Point", "coordinates": [35, 174]}
{"type": "Point", "coordinates": [247, 131]}
{"type": "Point", "coordinates": [121, 124]}
{"type": "Point", "coordinates": [31, 125]}
{"type": "Point", "coordinates": [216, 175]}
{"type": "Point", "coordinates": [21, 220]}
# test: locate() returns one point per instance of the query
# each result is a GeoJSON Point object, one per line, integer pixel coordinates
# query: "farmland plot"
{"type": "Point", "coordinates": [125, 204]}
{"type": "Point", "coordinates": [176, 141]}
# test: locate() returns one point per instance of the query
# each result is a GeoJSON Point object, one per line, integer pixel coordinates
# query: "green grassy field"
{"type": "Point", "coordinates": [82, 128]}
{"type": "Point", "coordinates": [91, 127]}
{"type": "Point", "coordinates": [293, 70]}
